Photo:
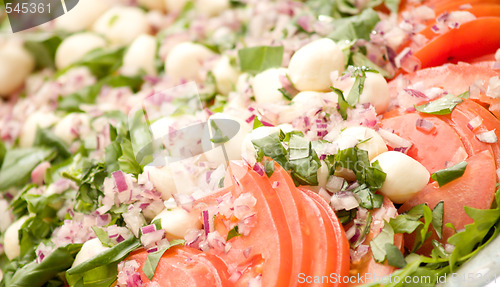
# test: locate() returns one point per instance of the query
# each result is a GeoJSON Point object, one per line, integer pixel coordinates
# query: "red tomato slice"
{"type": "Point", "coordinates": [470, 40]}
{"type": "Point", "coordinates": [435, 150]}
{"type": "Point", "coordinates": [185, 266]}
{"type": "Point", "coordinates": [367, 266]}
{"type": "Point", "coordinates": [475, 188]}
{"type": "Point", "coordinates": [337, 244]}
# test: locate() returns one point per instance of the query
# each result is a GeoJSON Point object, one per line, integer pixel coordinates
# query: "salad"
{"type": "Point", "coordinates": [252, 143]}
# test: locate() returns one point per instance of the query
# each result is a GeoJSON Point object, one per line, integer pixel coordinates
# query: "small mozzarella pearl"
{"type": "Point", "coordinates": [140, 56]}
{"type": "Point", "coordinates": [11, 238]}
{"type": "Point", "coordinates": [372, 142]}
{"type": "Point", "coordinates": [75, 47]}
{"type": "Point", "coordinates": [185, 61]}
{"type": "Point", "coordinates": [90, 249]}
{"type": "Point", "coordinates": [177, 221]}
{"type": "Point", "coordinates": [122, 25]}
{"type": "Point", "coordinates": [266, 86]}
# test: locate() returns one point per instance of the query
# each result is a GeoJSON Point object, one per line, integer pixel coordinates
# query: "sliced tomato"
{"type": "Point", "coordinates": [337, 246]}
{"type": "Point", "coordinates": [366, 266]}
{"type": "Point", "coordinates": [435, 149]}
{"type": "Point", "coordinates": [475, 188]}
{"type": "Point", "coordinates": [184, 266]}
{"type": "Point", "coordinates": [469, 41]}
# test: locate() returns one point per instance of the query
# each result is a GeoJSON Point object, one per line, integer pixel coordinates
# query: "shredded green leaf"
{"type": "Point", "coordinates": [449, 174]}
{"type": "Point", "coordinates": [441, 106]}
{"type": "Point", "coordinates": [257, 59]}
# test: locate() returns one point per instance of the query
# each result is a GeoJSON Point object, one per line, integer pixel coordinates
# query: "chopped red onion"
{"type": "Point", "coordinates": [487, 137]}
{"type": "Point", "coordinates": [475, 123]}
{"type": "Point", "coordinates": [206, 222]}
{"type": "Point", "coordinates": [38, 174]}
{"type": "Point", "coordinates": [120, 180]}
{"type": "Point", "coordinates": [259, 169]}
{"type": "Point", "coordinates": [235, 276]}
{"type": "Point", "coordinates": [246, 252]}
{"type": "Point", "coordinates": [148, 229]}
{"type": "Point", "coordinates": [415, 93]}
{"type": "Point", "coordinates": [359, 252]}
{"type": "Point", "coordinates": [343, 200]}
{"type": "Point", "coordinates": [396, 142]}
{"type": "Point", "coordinates": [334, 183]}
{"type": "Point", "coordinates": [275, 184]}
{"type": "Point", "coordinates": [425, 125]}
{"type": "Point", "coordinates": [493, 90]}
{"type": "Point", "coordinates": [151, 239]}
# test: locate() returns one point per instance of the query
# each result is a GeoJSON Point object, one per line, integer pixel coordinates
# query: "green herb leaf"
{"type": "Point", "coordinates": [360, 60]}
{"type": "Point", "coordinates": [233, 233]}
{"type": "Point", "coordinates": [355, 27]}
{"type": "Point", "coordinates": [378, 244]}
{"type": "Point", "coordinates": [257, 123]}
{"type": "Point", "coordinates": [43, 47]}
{"type": "Point", "coordinates": [394, 256]}
{"type": "Point", "coordinates": [102, 236]}
{"type": "Point", "coordinates": [422, 233]}
{"type": "Point", "coordinates": [343, 105]}
{"type": "Point", "coordinates": [357, 89]}
{"type": "Point", "coordinates": [437, 218]}
{"type": "Point", "coordinates": [441, 106]}
{"type": "Point", "coordinates": [447, 175]}
{"type": "Point", "coordinates": [154, 258]}
{"type": "Point", "coordinates": [114, 254]}
{"type": "Point", "coordinates": [257, 59]}
{"type": "Point", "coordinates": [35, 275]}
{"type": "Point", "coordinates": [45, 138]}
{"type": "Point", "coordinates": [102, 61]}
{"type": "Point", "coordinates": [367, 198]}
{"type": "Point", "coordinates": [269, 167]}
{"type": "Point", "coordinates": [18, 164]}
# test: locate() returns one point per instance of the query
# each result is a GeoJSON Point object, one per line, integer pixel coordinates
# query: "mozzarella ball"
{"type": "Point", "coordinates": [37, 119]}
{"type": "Point", "coordinates": [83, 15]}
{"type": "Point", "coordinates": [266, 86]}
{"type": "Point", "coordinates": [225, 75]}
{"type": "Point", "coordinates": [90, 249]}
{"type": "Point", "coordinates": [247, 147]}
{"type": "Point", "coordinates": [405, 176]}
{"type": "Point", "coordinates": [65, 129]}
{"type": "Point", "coordinates": [177, 221]}
{"type": "Point", "coordinates": [16, 64]}
{"type": "Point", "coordinates": [310, 67]}
{"type": "Point", "coordinates": [75, 47]}
{"type": "Point", "coordinates": [211, 7]}
{"type": "Point", "coordinates": [153, 4]}
{"type": "Point", "coordinates": [372, 142]}
{"type": "Point", "coordinates": [121, 25]}
{"type": "Point", "coordinates": [185, 61]}
{"type": "Point", "coordinates": [175, 6]}
{"type": "Point", "coordinates": [162, 180]}
{"type": "Point", "coordinates": [140, 56]}
{"type": "Point", "coordinates": [375, 90]}
{"type": "Point", "coordinates": [227, 128]}
{"type": "Point", "coordinates": [11, 238]}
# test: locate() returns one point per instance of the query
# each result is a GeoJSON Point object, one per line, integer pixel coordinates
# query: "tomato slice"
{"type": "Point", "coordinates": [337, 244]}
{"type": "Point", "coordinates": [366, 266]}
{"type": "Point", "coordinates": [470, 40]}
{"type": "Point", "coordinates": [475, 188]}
{"type": "Point", "coordinates": [185, 266]}
{"type": "Point", "coordinates": [437, 149]}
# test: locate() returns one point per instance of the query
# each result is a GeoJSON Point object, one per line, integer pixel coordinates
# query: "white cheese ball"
{"type": "Point", "coordinates": [90, 249]}
{"type": "Point", "coordinates": [162, 180]}
{"type": "Point", "coordinates": [233, 146]}
{"type": "Point", "coordinates": [247, 147]}
{"type": "Point", "coordinates": [177, 222]}
{"type": "Point", "coordinates": [375, 90]}
{"type": "Point", "coordinates": [175, 6]}
{"type": "Point", "coordinates": [140, 56]}
{"type": "Point", "coordinates": [185, 61]}
{"type": "Point", "coordinates": [310, 67]}
{"type": "Point", "coordinates": [83, 15]}
{"type": "Point", "coordinates": [11, 238]}
{"type": "Point", "coordinates": [372, 142]}
{"type": "Point", "coordinates": [121, 25]}
{"type": "Point", "coordinates": [266, 86]}
{"type": "Point", "coordinates": [65, 128]}
{"type": "Point", "coordinates": [153, 4]}
{"type": "Point", "coordinates": [75, 47]}
{"type": "Point", "coordinates": [211, 7]}
{"type": "Point", "coordinates": [225, 75]}
{"type": "Point", "coordinates": [37, 119]}
{"type": "Point", "coordinates": [16, 64]}
{"type": "Point", "coordinates": [405, 176]}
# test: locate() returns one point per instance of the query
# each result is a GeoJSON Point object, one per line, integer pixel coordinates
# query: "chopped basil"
{"type": "Point", "coordinates": [37, 274]}
{"type": "Point", "coordinates": [154, 258]}
{"type": "Point", "coordinates": [360, 60]}
{"type": "Point", "coordinates": [394, 256]}
{"type": "Point", "coordinates": [114, 254]}
{"type": "Point", "coordinates": [343, 105]}
{"type": "Point", "coordinates": [377, 245]}
{"type": "Point", "coordinates": [441, 106]}
{"type": "Point", "coordinates": [3, 151]}
{"type": "Point", "coordinates": [269, 167]}
{"type": "Point", "coordinates": [45, 138]}
{"type": "Point", "coordinates": [18, 164]}
{"type": "Point", "coordinates": [345, 216]}
{"type": "Point", "coordinates": [257, 123]}
{"type": "Point", "coordinates": [367, 198]}
{"type": "Point", "coordinates": [257, 59]}
{"type": "Point", "coordinates": [102, 61]}
{"type": "Point", "coordinates": [43, 47]}
{"type": "Point", "coordinates": [233, 233]}
{"type": "Point", "coordinates": [437, 218]}
{"type": "Point", "coordinates": [102, 236]}
{"type": "Point", "coordinates": [447, 175]}
{"type": "Point", "coordinates": [355, 27]}
{"type": "Point", "coordinates": [357, 88]}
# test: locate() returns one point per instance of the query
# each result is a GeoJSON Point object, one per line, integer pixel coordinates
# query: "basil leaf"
{"type": "Point", "coordinates": [441, 106]}
{"type": "Point", "coordinates": [360, 60]}
{"type": "Point", "coordinates": [405, 224]}
{"type": "Point", "coordinates": [355, 27]}
{"type": "Point", "coordinates": [343, 105]}
{"type": "Point", "coordinates": [394, 256]}
{"type": "Point", "coordinates": [102, 236]}
{"type": "Point", "coordinates": [257, 59]}
{"type": "Point", "coordinates": [269, 167]}
{"type": "Point", "coordinates": [392, 5]}
{"type": "Point", "coordinates": [112, 255]}
{"type": "Point", "coordinates": [271, 146]}
{"type": "Point", "coordinates": [3, 152]}
{"type": "Point", "coordinates": [377, 245]}
{"type": "Point", "coordinates": [141, 138]}
{"type": "Point", "coordinates": [102, 61]}
{"type": "Point", "coordinates": [437, 218]}
{"type": "Point", "coordinates": [154, 258]}
{"type": "Point", "coordinates": [422, 233]}
{"type": "Point", "coordinates": [34, 274]}
{"type": "Point", "coordinates": [257, 123]}
{"type": "Point", "coordinates": [102, 276]}
{"type": "Point", "coordinates": [357, 88]}
{"type": "Point", "coordinates": [447, 175]}
{"type": "Point", "coordinates": [18, 164]}
{"type": "Point", "coordinates": [45, 138]}
{"type": "Point", "coordinates": [43, 47]}
{"type": "Point", "coordinates": [367, 198]}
